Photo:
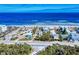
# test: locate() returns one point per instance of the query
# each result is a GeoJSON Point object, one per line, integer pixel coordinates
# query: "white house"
{"type": "Point", "coordinates": [29, 34]}
{"type": "Point", "coordinates": [3, 28]}
{"type": "Point", "coordinates": [39, 33]}
{"type": "Point", "coordinates": [45, 29]}
{"type": "Point", "coordinates": [73, 36]}
{"type": "Point", "coordinates": [54, 35]}
{"type": "Point", "coordinates": [68, 31]}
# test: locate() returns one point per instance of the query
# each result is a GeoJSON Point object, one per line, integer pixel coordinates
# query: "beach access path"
{"type": "Point", "coordinates": [40, 45]}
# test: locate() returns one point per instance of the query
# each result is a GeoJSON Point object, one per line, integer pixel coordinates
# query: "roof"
{"type": "Point", "coordinates": [53, 32]}
{"type": "Point", "coordinates": [74, 35]}
{"type": "Point", "coordinates": [28, 33]}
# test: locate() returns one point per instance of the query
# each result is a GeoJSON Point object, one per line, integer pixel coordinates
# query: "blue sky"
{"type": "Point", "coordinates": [38, 8]}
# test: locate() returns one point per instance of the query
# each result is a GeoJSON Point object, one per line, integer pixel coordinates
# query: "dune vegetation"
{"type": "Point", "coordinates": [15, 49]}
{"type": "Point", "coordinates": [60, 50]}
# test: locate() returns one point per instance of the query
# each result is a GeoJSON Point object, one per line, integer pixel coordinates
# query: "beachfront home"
{"type": "Point", "coordinates": [54, 35]}
{"type": "Point", "coordinates": [73, 36]}
{"type": "Point", "coordinates": [3, 28]}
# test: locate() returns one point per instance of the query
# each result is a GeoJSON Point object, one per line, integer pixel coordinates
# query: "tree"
{"type": "Point", "coordinates": [64, 31]}
{"type": "Point", "coordinates": [61, 31]}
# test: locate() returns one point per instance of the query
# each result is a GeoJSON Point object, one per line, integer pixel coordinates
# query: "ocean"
{"type": "Point", "coordinates": [37, 18]}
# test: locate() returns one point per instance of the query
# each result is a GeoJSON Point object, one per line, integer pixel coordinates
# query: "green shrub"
{"type": "Point", "coordinates": [60, 50]}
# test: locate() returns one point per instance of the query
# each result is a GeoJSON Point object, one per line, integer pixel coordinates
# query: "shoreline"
{"type": "Point", "coordinates": [43, 25]}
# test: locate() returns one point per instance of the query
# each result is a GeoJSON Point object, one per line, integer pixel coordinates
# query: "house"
{"type": "Point", "coordinates": [39, 33]}
{"type": "Point", "coordinates": [3, 28]}
{"type": "Point", "coordinates": [64, 36]}
{"type": "Point", "coordinates": [77, 30]}
{"type": "Point", "coordinates": [68, 31]}
{"type": "Point", "coordinates": [42, 30]}
{"type": "Point", "coordinates": [73, 36]}
{"type": "Point", "coordinates": [28, 35]}
{"type": "Point", "coordinates": [45, 29]}
{"type": "Point", "coordinates": [54, 35]}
